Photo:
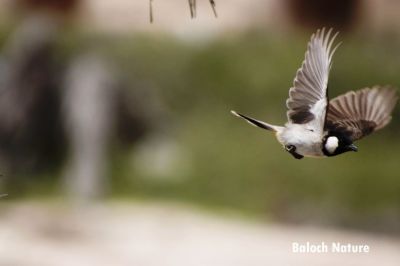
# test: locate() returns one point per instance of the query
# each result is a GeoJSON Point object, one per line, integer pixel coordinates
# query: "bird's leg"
{"type": "Point", "coordinates": [292, 150]}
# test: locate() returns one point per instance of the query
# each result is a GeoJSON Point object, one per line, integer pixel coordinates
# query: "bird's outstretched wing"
{"type": "Point", "coordinates": [360, 113]}
{"type": "Point", "coordinates": [308, 97]}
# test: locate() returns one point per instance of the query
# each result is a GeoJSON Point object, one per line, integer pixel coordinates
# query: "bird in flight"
{"type": "Point", "coordinates": [317, 126]}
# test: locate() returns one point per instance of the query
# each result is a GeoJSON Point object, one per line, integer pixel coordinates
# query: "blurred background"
{"type": "Point", "coordinates": [117, 146]}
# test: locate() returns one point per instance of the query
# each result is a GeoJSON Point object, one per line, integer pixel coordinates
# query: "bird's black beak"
{"type": "Point", "coordinates": [352, 147]}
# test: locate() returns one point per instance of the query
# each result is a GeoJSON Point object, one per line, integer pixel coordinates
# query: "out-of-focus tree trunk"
{"type": "Point", "coordinates": [61, 7]}
{"type": "Point", "coordinates": [89, 98]}
{"type": "Point", "coordinates": [30, 131]}
{"type": "Point", "coordinates": [340, 14]}
{"type": "Point", "coordinates": [47, 106]}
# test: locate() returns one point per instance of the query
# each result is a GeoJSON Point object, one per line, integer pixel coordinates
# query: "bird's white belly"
{"type": "Point", "coordinates": [308, 143]}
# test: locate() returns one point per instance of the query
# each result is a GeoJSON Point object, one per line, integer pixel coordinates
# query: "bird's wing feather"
{"type": "Point", "coordinates": [360, 113]}
{"type": "Point", "coordinates": [307, 100]}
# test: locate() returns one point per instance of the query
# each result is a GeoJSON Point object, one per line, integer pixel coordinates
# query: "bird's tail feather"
{"type": "Point", "coordinates": [257, 123]}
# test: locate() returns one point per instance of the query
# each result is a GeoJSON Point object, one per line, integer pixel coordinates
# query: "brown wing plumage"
{"type": "Point", "coordinates": [362, 112]}
{"type": "Point", "coordinates": [308, 96]}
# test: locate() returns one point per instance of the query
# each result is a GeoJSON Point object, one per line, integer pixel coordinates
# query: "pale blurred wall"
{"type": "Point", "coordinates": [172, 16]}
{"type": "Point", "coordinates": [381, 14]}
{"type": "Point", "coordinates": [5, 7]}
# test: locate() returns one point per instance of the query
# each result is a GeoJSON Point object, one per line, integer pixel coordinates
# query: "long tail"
{"type": "Point", "coordinates": [257, 123]}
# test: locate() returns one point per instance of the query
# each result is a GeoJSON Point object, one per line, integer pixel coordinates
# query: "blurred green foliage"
{"type": "Point", "coordinates": [229, 164]}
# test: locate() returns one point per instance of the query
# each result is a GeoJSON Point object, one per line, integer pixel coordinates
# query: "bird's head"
{"type": "Point", "coordinates": [335, 145]}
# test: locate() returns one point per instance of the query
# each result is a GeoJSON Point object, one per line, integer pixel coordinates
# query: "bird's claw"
{"type": "Point", "coordinates": [290, 148]}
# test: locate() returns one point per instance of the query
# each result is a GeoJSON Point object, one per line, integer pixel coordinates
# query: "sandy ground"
{"type": "Point", "coordinates": [144, 234]}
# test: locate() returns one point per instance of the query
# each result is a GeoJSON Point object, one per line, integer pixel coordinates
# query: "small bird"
{"type": "Point", "coordinates": [317, 126]}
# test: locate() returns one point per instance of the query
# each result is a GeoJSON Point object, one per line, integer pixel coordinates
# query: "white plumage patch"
{"type": "Point", "coordinates": [331, 144]}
